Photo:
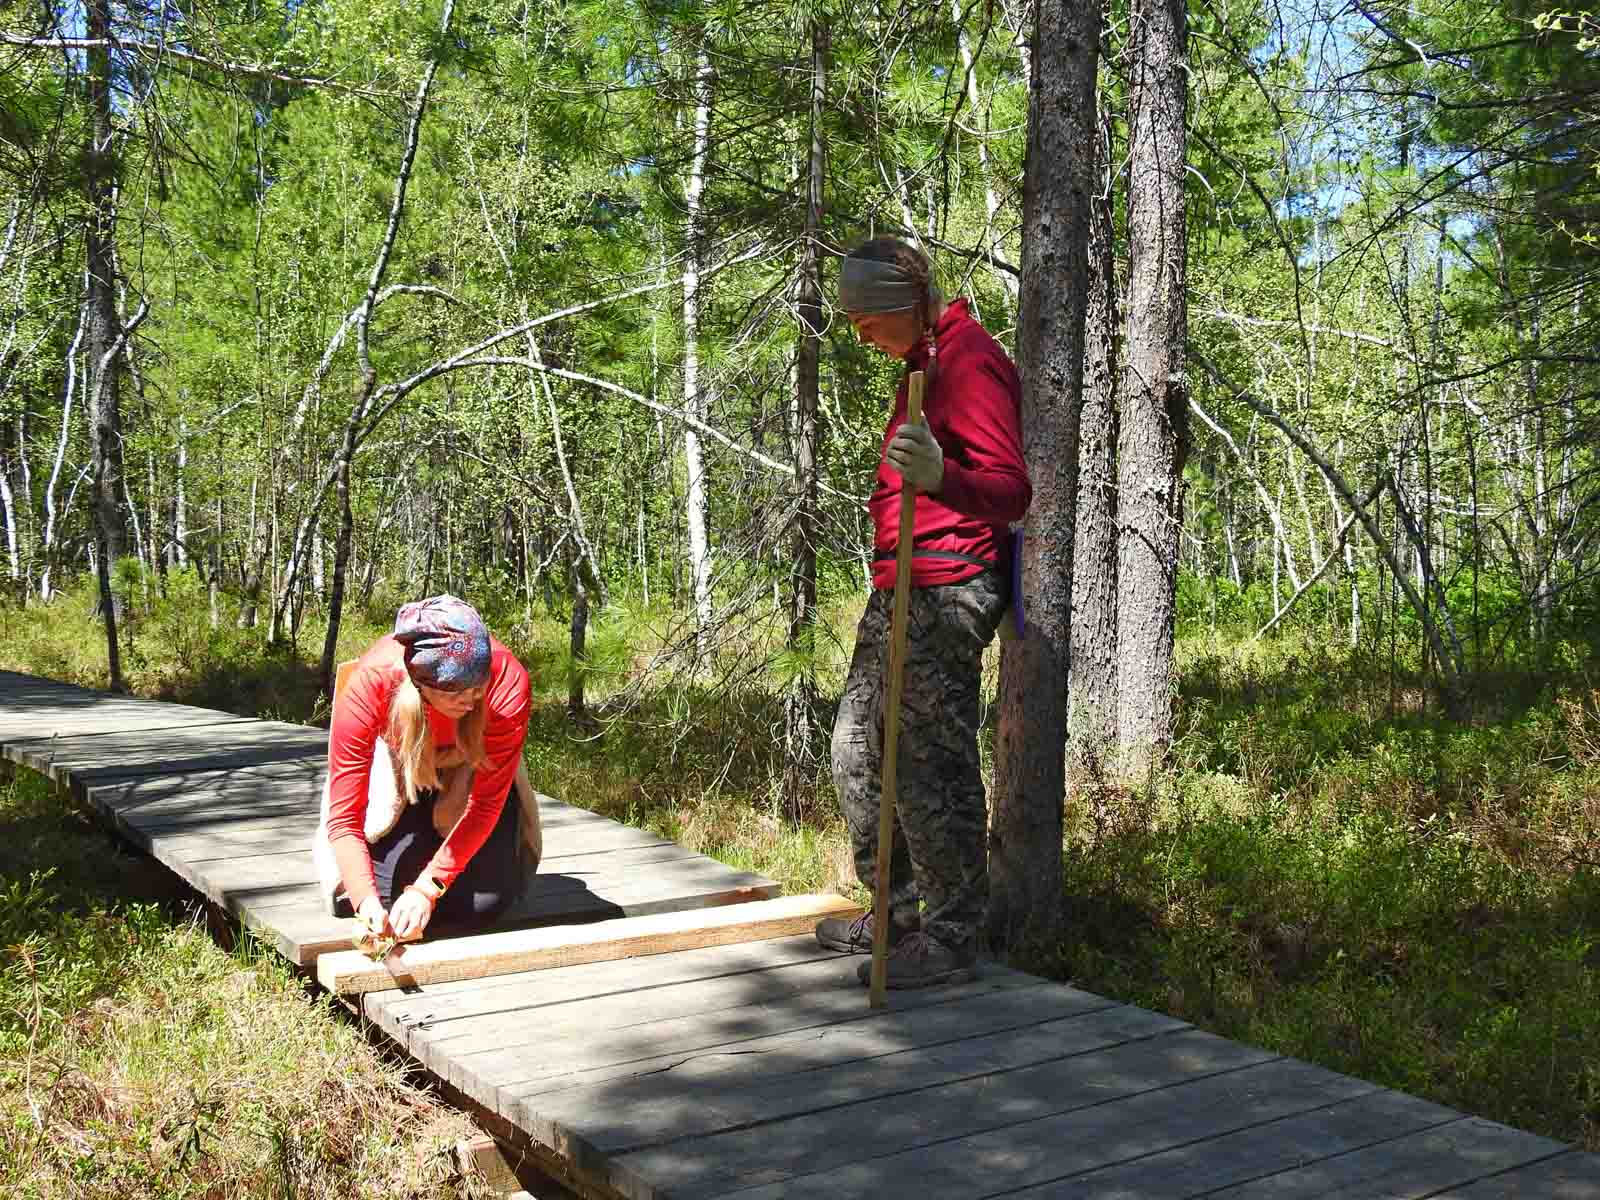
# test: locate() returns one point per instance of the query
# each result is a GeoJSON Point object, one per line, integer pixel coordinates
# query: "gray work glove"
{"type": "Point", "coordinates": [916, 455]}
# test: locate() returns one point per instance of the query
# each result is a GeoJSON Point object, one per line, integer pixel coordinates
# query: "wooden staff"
{"type": "Point", "coordinates": [877, 996]}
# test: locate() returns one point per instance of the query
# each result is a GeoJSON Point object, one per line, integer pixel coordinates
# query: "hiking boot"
{"type": "Point", "coordinates": [853, 936]}
{"type": "Point", "coordinates": [920, 961]}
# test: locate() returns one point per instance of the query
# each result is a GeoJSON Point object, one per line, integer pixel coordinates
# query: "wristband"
{"type": "Point", "coordinates": [426, 887]}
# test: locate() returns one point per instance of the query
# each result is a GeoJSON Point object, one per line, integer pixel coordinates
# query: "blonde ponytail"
{"type": "Point", "coordinates": [410, 739]}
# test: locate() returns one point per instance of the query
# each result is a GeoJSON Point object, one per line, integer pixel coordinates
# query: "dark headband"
{"type": "Point", "coordinates": [869, 286]}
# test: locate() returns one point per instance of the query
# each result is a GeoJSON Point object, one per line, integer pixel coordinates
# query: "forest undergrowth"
{"type": "Point", "coordinates": [1331, 869]}
{"type": "Point", "coordinates": [143, 1056]}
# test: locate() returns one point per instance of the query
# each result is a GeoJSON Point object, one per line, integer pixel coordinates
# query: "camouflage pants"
{"type": "Point", "coordinates": [940, 853]}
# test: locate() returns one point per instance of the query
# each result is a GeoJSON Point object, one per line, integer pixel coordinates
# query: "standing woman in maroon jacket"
{"type": "Point", "coordinates": [965, 464]}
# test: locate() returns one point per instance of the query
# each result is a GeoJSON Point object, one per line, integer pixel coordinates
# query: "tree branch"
{"type": "Point", "coordinates": [1338, 547]}
{"type": "Point", "coordinates": [162, 50]}
{"type": "Point", "coordinates": [1452, 668]}
{"type": "Point", "coordinates": [676, 414]}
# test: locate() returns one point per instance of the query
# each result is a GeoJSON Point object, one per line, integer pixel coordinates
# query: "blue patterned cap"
{"type": "Point", "coordinates": [447, 644]}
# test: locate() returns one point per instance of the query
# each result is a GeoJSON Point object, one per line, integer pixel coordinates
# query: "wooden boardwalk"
{"type": "Point", "coordinates": [757, 1070]}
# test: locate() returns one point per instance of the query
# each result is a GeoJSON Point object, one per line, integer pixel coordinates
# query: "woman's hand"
{"type": "Point", "coordinates": [916, 454]}
{"type": "Point", "coordinates": [411, 913]}
{"type": "Point", "coordinates": [376, 933]}
{"type": "Point", "coordinates": [374, 917]}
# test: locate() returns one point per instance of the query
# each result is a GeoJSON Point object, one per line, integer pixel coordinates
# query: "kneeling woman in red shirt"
{"type": "Point", "coordinates": [428, 704]}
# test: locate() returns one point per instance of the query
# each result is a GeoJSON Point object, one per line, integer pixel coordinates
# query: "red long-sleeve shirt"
{"type": "Point", "coordinates": [362, 717]}
{"type": "Point", "coordinates": [973, 407]}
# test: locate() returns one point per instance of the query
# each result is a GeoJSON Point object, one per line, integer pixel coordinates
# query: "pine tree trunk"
{"type": "Point", "coordinates": [102, 327]}
{"type": "Point", "coordinates": [1030, 742]}
{"type": "Point", "coordinates": [1094, 586]}
{"type": "Point", "coordinates": [801, 702]}
{"type": "Point", "coordinates": [1154, 395]}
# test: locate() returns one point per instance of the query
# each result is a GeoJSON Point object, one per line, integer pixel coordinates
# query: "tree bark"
{"type": "Point", "coordinates": [1030, 743]}
{"type": "Point", "coordinates": [1093, 724]}
{"type": "Point", "coordinates": [9, 509]}
{"type": "Point", "coordinates": [1154, 394]}
{"type": "Point", "coordinates": [101, 327]}
{"type": "Point", "coordinates": [800, 704]}
{"type": "Point", "coordinates": [101, 339]}
{"type": "Point", "coordinates": [579, 630]}
{"type": "Point", "coordinates": [180, 499]}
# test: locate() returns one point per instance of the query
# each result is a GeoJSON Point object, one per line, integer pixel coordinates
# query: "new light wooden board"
{"type": "Point", "coordinates": [352, 973]}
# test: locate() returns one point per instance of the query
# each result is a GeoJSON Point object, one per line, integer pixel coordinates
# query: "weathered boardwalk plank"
{"type": "Point", "coordinates": [1565, 1176]}
{"type": "Point", "coordinates": [1208, 1165]}
{"type": "Point", "coordinates": [1419, 1164]}
{"type": "Point", "coordinates": [757, 1070]}
{"type": "Point", "coordinates": [230, 805]}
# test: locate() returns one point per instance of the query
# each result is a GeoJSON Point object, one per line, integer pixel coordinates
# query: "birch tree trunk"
{"type": "Point", "coordinates": [1154, 396]}
{"type": "Point", "coordinates": [8, 508]}
{"type": "Point", "coordinates": [180, 510]}
{"type": "Point", "coordinates": [52, 515]}
{"type": "Point", "coordinates": [257, 546]}
{"type": "Point", "coordinates": [991, 203]}
{"type": "Point", "coordinates": [693, 400]}
{"type": "Point", "coordinates": [801, 702]}
{"type": "Point", "coordinates": [1030, 740]}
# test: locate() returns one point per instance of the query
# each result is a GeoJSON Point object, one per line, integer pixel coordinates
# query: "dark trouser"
{"type": "Point", "coordinates": [939, 856]}
{"type": "Point", "coordinates": [494, 879]}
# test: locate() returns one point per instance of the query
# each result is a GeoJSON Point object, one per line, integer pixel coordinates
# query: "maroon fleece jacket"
{"type": "Point", "coordinates": [973, 406]}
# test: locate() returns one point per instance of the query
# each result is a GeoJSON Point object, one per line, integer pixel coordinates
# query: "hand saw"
{"type": "Point", "coordinates": [389, 951]}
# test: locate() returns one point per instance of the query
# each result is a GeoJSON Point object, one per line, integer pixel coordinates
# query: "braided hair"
{"type": "Point", "coordinates": [915, 264]}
